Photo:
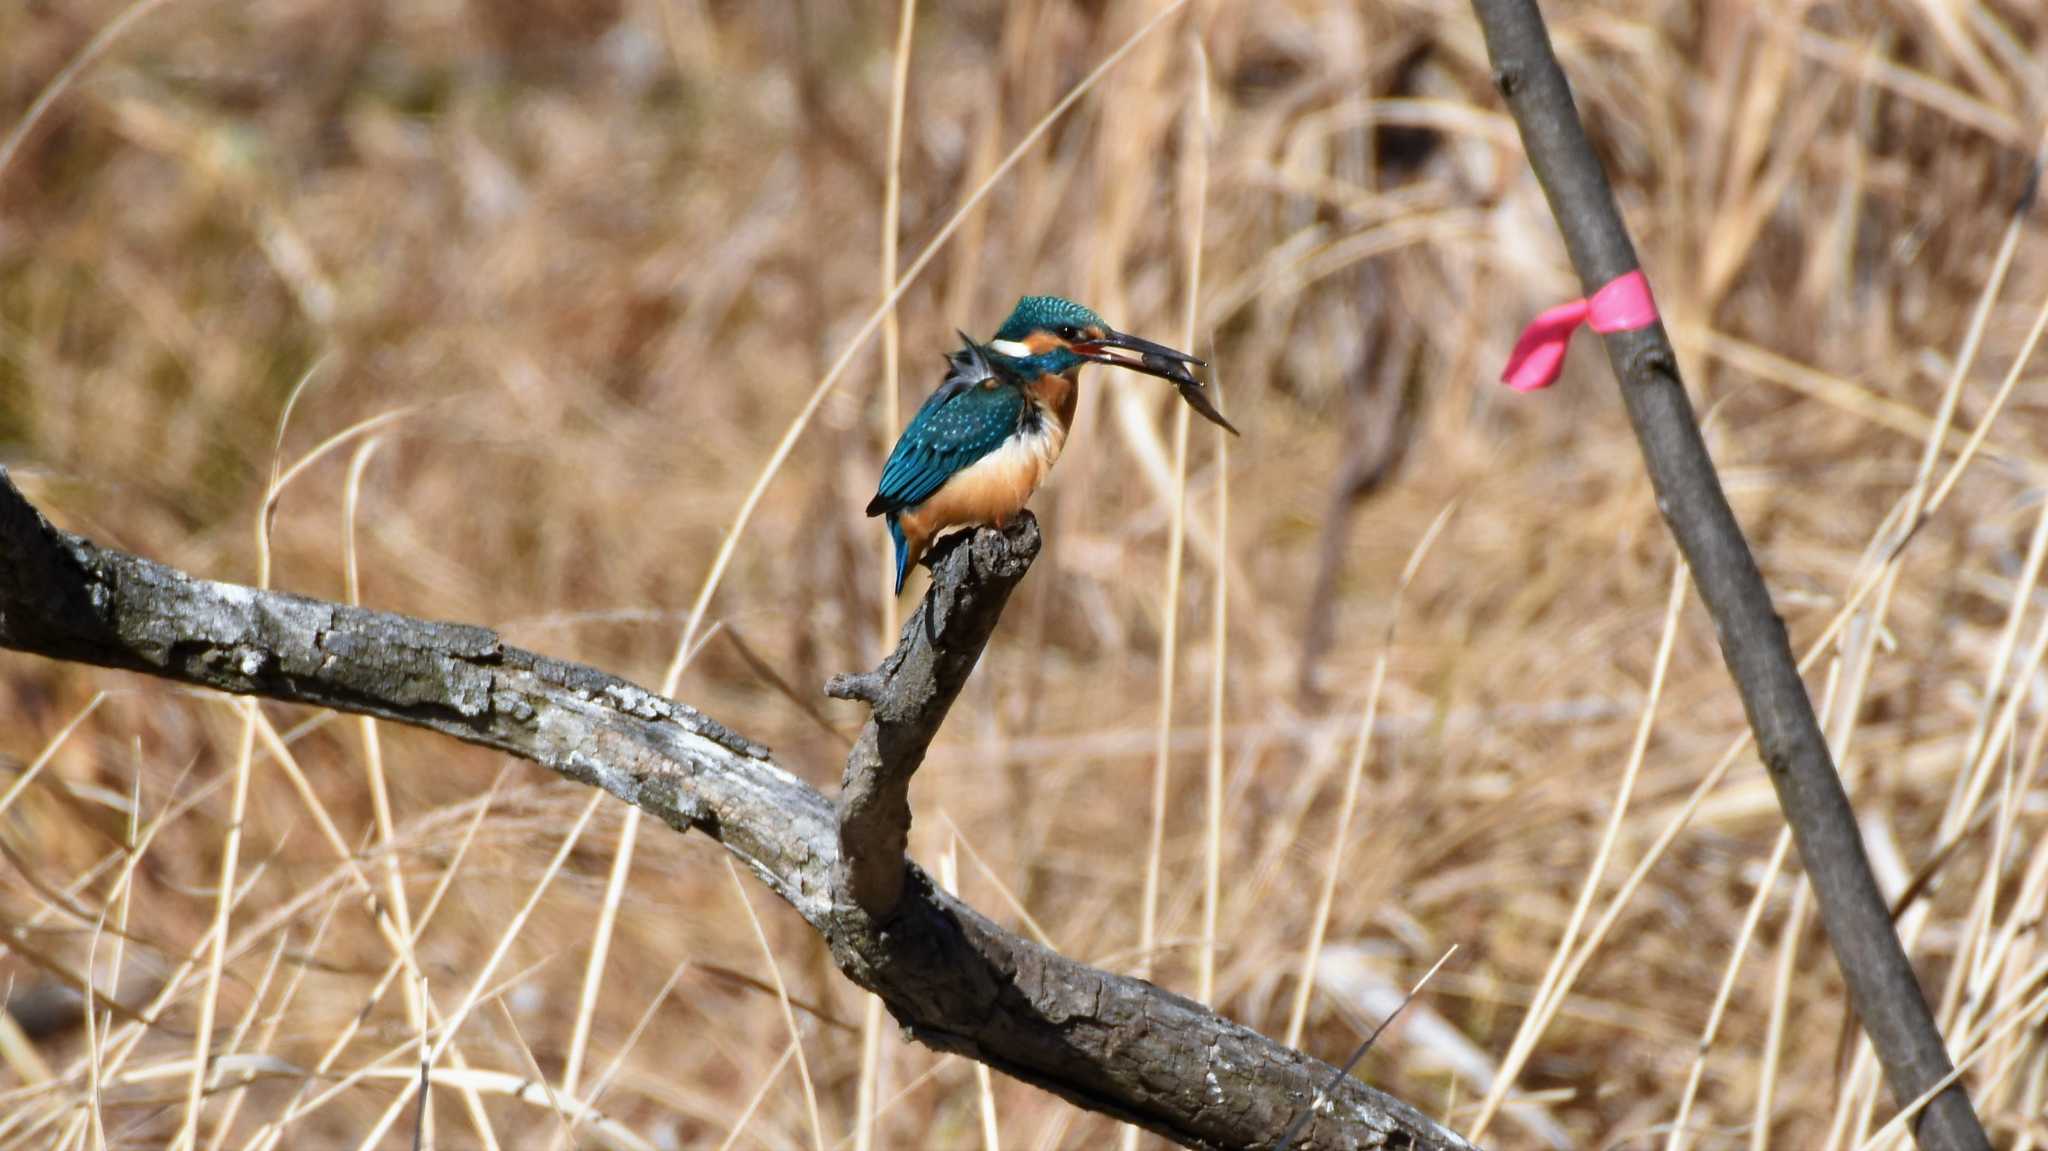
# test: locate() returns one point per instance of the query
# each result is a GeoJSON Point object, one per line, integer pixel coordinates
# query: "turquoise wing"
{"type": "Point", "coordinates": [956, 426]}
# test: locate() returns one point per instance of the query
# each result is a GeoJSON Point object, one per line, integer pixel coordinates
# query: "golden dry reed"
{"type": "Point", "coordinates": [544, 284]}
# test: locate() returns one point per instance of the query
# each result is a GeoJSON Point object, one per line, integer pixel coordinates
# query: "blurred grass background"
{"type": "Point", "coordinates": [587, 259]}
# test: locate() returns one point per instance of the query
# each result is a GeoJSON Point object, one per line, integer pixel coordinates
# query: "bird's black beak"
{"type": "Point", "coordinates": [1139, 355]}
{"type": "Point", "coordinates": [1156, 360]}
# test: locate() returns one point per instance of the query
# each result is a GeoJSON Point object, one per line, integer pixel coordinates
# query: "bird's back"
{"type": "Point", "coordinates": [973, 411]}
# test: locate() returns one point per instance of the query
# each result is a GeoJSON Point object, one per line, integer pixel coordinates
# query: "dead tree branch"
{"type": "Point", "coordinates": [1882, 986]}
{"type": "Point", "coordinates": [955, 981]}
{"type": "Point", "coordinates": [907, 698]}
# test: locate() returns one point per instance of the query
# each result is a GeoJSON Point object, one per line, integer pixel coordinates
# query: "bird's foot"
{"type": "Point", "coordinates": [943, 547]}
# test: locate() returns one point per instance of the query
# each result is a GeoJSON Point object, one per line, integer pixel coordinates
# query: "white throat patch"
{"type": "Point", "coordinates": [1011, 348]}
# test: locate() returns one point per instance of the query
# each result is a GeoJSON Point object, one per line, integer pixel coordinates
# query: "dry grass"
{"type": "Point", "coordinates": [577, 266]}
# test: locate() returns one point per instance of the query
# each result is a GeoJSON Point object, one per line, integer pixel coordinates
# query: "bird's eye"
{"type": "Point", "coordinates": [1069, 332]}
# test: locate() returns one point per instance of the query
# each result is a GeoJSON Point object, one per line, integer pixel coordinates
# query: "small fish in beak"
{"type": "Point", "coordinates": [1156, 360]}
{"type": "Point", "coordinates": [1192, 390]}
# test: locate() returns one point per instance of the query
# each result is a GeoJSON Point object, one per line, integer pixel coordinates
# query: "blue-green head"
{"type": "Point", "coordinates": [1047, 335]}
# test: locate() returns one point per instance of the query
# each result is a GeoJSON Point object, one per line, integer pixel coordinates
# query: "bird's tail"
{"type": "Point", "coordinates": [902, 551]}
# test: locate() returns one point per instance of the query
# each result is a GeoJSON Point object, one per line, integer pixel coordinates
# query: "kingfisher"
{"type": "Point", "coordinates": [984, 441]}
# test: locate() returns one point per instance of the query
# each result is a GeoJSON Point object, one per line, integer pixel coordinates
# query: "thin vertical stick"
{"type": "Point", "coordinates": [892, 327]}
{"type": "Point", "coordinates": [230, 857]}
{"type": "Point", "coordinates": [1219, 612]}
{"type": "Point", "coordinates": [1212, 855]}
{"type": "Point", "coordinates": [92, 1037]}
{"type": "Point", "coordinates": [600, 946]}
{"type": "Point", "coordinates": [124, 899]}
{"type": "Point", "coordinates": [1781, 1008]}
{"type": "Point", "coordinates": [1675, 1141]}
{"type": "Point", "coordinates": [1169, 644]}
{"type": "Point", "coordinates": [1176, 545]}
{"type": "Point", "coordinates": [796, 1038]}
{"type": "Point", "coordinates": [984, 1084]}
{"type": "Point", "coordinates": [892, 419]}
{"type": "Point", "coordinates": [1550, 992]}
{"type": "Point", "coordinates": [870, 1074]}
{"type": "Point", "coordinates": [373, 746]}
{"type": "Point", "coordinates": [1305, 982]}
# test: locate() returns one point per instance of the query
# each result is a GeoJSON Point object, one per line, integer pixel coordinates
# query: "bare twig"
{"type": "Point", "coordinates": [953, 979]}
{"type": "Point", "coordinates": [1881, 982]}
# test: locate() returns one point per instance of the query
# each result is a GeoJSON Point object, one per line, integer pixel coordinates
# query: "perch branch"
{"type": "Point", "coordinates": [908, 697]}
{"type": "Point", "coordinates": [1881, 983]}
{"type": "Point", "coordinates": [955, 981]}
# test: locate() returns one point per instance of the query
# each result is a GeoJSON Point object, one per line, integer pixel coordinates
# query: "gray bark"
{"type": "Point", "coordinates": [956, 981]}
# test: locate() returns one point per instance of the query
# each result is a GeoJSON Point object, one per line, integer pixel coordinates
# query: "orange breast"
{"type": "Point", "coordinates": [1056, 396]}
{"type": "Point", "coordinates": [992, 489]}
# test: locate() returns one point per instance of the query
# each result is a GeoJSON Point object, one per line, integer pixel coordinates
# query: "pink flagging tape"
{"type": "Point", "coordinates": [1623, 305]}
